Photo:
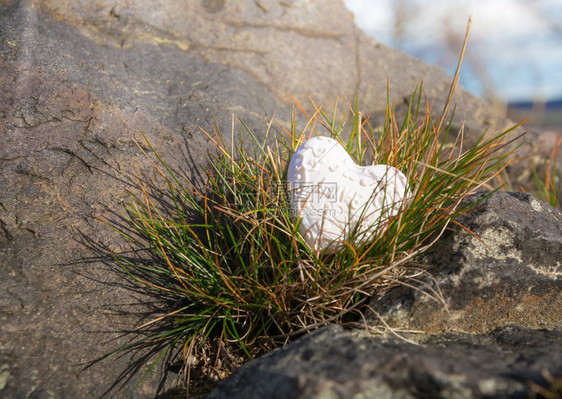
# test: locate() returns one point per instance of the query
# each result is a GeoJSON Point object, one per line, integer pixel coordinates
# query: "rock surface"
{"type": "Point", "coordinates": [80, 80]}
{"type": "Point", "coordinates": [331, 363]}
{"type": "Point", "coordinates": [506, 270]}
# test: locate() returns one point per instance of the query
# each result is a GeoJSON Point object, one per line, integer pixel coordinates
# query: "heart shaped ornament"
{"type": "Point", "coordinates": [334, 196]}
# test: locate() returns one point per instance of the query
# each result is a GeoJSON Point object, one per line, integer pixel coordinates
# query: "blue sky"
{"type": "Point", "coordinates": [514, 50]}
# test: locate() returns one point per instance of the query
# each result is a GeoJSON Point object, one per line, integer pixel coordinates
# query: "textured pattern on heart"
{"type": "Point", "coordinates": [332, 195]}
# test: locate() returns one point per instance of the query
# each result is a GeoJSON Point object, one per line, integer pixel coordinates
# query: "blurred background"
{"type": "Point", "coordinates": [514, 53]}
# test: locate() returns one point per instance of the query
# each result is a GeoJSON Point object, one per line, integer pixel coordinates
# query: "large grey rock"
{"type": "Point", "coordinates": [332, 363]}
{"type": "Point", "coordinates": [505, 269]}
{"type": "Point", "coordinates": [79, 80]}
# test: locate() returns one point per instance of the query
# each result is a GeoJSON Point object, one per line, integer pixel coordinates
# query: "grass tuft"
{"type": "Point", "coordinates": [547, 188]}
{"type": "Point", "coordinates": [229, 254]}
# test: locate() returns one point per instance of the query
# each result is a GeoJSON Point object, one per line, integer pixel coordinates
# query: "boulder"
{"type": "Point", "coordinates": [504, 267]}
{"type": "Point", "coordinates": [80, 81]}
{"type": "Point", "coordinates": [508, 362]}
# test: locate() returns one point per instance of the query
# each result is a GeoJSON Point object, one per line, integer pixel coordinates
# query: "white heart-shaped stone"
{"type": "Point", "coordinates": [332, 195]}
